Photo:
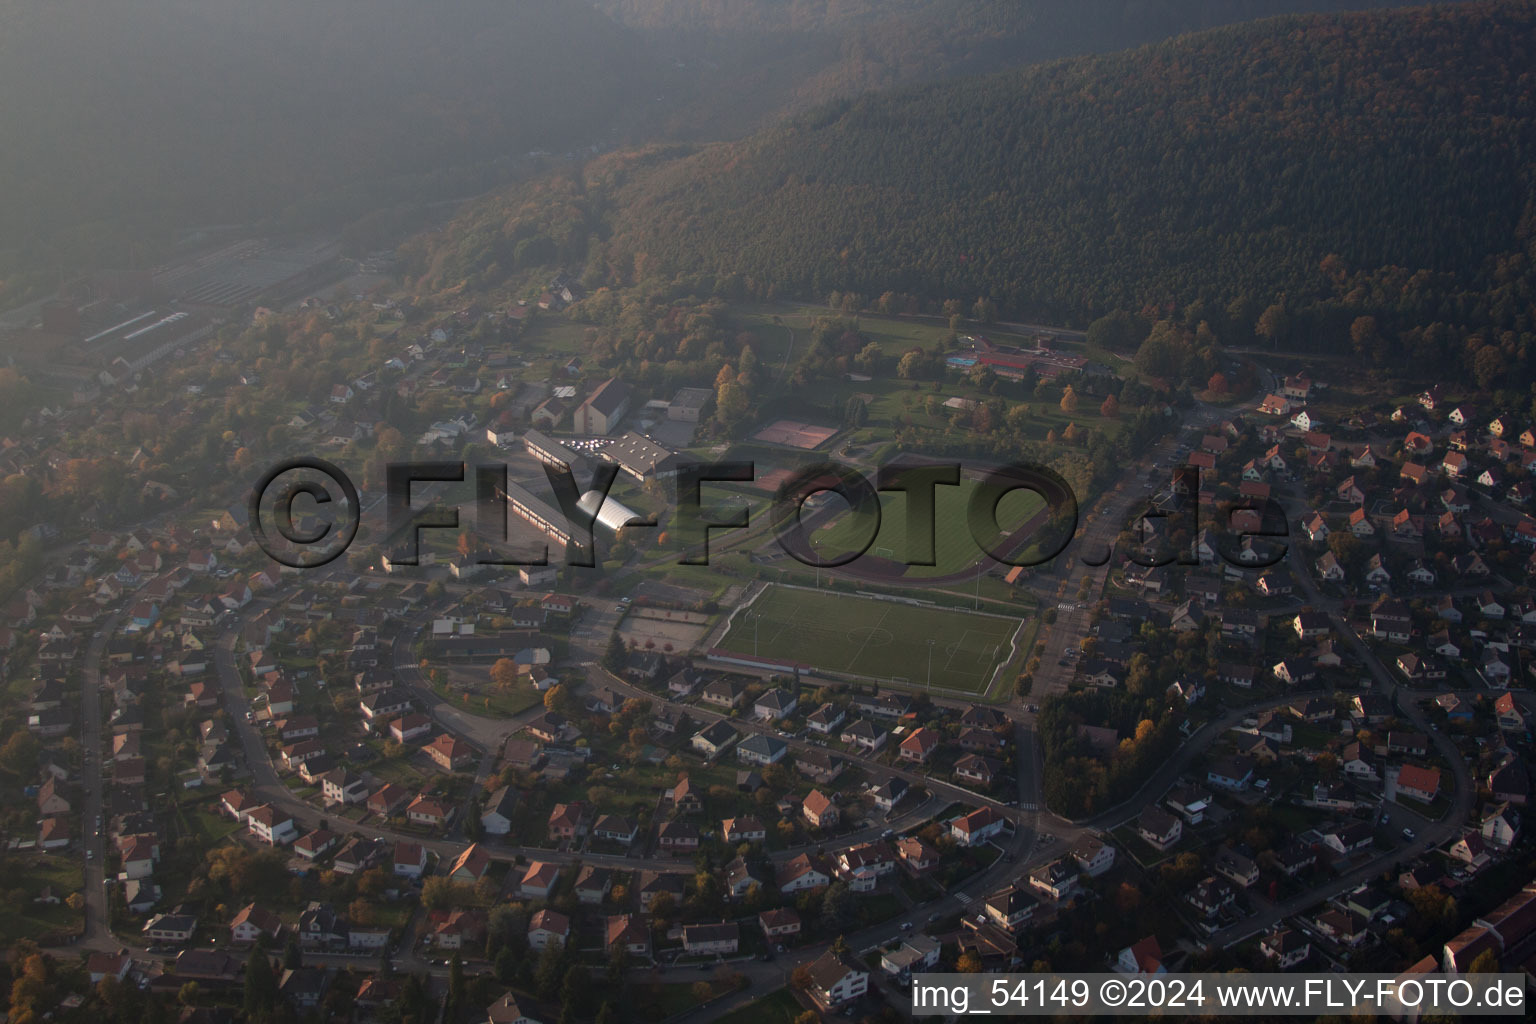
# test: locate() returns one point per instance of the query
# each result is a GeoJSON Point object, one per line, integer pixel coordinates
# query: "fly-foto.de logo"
{"type": "Point", "coordinates": [306, 512]}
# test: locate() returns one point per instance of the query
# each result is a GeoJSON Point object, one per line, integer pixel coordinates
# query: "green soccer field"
{"type": "Point", "coordinates": [954, 548]}
{"type": "Point", "coordinates": [879, 639]}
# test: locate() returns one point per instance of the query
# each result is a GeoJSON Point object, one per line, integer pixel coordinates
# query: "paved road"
{"type": "Point", "coordinates": [93, 839]}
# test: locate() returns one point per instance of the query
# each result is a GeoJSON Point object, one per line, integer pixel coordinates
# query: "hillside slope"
{"type": "Point", "coordinates": [747, 60]}
{"type": "Point", "coordinates": [1225, 167]}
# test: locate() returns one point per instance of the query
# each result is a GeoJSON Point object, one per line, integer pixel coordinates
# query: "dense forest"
{"type": "Point", "coordinates": [759, 57]}
{"type": "Point", "coordinates": [1227, 166]}
{"type": "Point", "coordinates": [1315, 181]}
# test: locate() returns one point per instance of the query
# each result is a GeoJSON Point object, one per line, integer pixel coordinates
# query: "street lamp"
{"type": "Point", "coordinates": [930, 664]}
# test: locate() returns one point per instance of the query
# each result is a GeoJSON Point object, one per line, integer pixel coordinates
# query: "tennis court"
{"type": "Point", "coordinates": [795, 434]}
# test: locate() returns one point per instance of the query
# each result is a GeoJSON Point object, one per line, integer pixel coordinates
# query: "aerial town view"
{"type": "Point", "coordinates": [639, 511]}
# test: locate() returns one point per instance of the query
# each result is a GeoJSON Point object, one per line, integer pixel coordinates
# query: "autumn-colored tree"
{"type": "Point", "coordinates": [504, 673]}
{"type": "Point", "coordinates": [969, 963]}
{"type": "Point", "coordinates": [554, 698]}
{"type": "Point", "coordinates": [1486, 962]}
{"type": "Point", "coordinates": [1110, 407]}
{"type": "Point", "coordinates": [1069, 400]}
{"type": "Point", "coordinates": [1273, 323]}
{"type": "Point", "coordinates": [1218, 383]}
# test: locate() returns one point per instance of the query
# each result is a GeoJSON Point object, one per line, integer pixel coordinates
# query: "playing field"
{"type": "Point", "coordinates": [954, 548]}
{"type": "Point", "coordinates": [869, 637]}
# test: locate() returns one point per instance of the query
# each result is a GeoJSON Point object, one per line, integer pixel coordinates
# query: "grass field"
{"type": "Point", "coordinates": [954, 548]}
{"type": "Point", "coordinates": [877, 639]}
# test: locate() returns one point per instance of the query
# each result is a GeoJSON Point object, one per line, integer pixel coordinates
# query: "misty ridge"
{"type": "Point", "coordinates": [127, 125]}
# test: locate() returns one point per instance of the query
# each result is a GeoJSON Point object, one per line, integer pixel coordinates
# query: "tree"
{"type": "Point", "coordinates": [663, 909]}
{"type": "Point", "coordinates": [574, 988]}
{"type": "Point", "coordinates": [615, 655]}
{"type": "Point", "coordinates": [731, 402]}
{"type": "Point", "coordinates": [702, 991]}
{"type": "Point", "coordinates": [546, 977]}
{"type": "Point", "coordinates": [504, 674]}
{"type": "Point", "coordinates": [969, 963]}
{"type": "Point", "coordinates": [1069, 400]}
{"type": "Point", "coordinates": [1273, 323]}
{"type": "Point", "coordinates": [1218, 384]}
{"type": "Point", "coordinates": [187, 994]}
{"type": "Point", "coordinates": [1364, 338]}
{"type": "Point", "coordinates": [457, 990]}
{"type": "Point", "coordinates": [506, 965]}
{"type": "Point", "coordinates": [20, 753]}
{"type": "Point", "coordinates": [260, 985]}
{"type": "Point", "coordinates": [293, 959]}
{"type": "Point", "coordinates": [554, 698]}
{"type": "Point", "coordinates": [1486, 962]}
{"type": "Point", "coordinates": [441, 892]}
{"type": "Point", "coordinates": [837, 906]}
{"type": "Point", "coordinates": [618, 964]}
{"type": "Point", "coordinates": [1110, 407]}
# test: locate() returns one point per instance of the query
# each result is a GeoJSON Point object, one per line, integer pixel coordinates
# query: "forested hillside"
{"type": "Point", "coordinates": [1224, 165]}
{"type": "Point", "coordinates": [749, 59]}
{"type": "Point", "coordinates": [1332, 166]}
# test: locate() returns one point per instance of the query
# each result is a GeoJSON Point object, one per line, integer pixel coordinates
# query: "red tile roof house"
{"type": "Point", "coordinates": [977, 827]}
{"type": "Point", "coordinates": [471, 865]}
{"type": "Point", "coordinates": [629, 932]}
{"type": "Point", "coordinates": [1422, 784]}
{"type": "Point", "coordinates": [315, 844]}
{"type": "Point", "coordinates": [238, 804]}
{"type": "Point", "coordinates": [450, 754]}
{"type": "Point", "coordinates": [917, 855]}
{"type": "Point", "coordinates": [919, 746]}
{"type": "Point", "coordinates": [410, 859]}
{"type": "Point", "coordinates": [743, 830]}
{"type": "Point", "coordinates": [410, 727]}
{"type": "Point", "coordinates": [252, 923]}
{"type": "Point", "coordinates": [819, 810]}
{"type": "Point", "coordinates": [272, 826]}
{"type": "Point", "coordinates": [567, 821]}
{"type": "Point", "coordinates": [677, 837]}
{"type": "Point", "coordinates": [548, 927]}
{"type": "Point", "coordinates": [428, 811]}
{"type": "Point", "coordinates": [388, 799]}
{"type": "Point", "coordinates": [614, 829]}
{"type": "Point", "coordinates": [780, 923]}
{"type": "Point", "coordinates": [539, 880]}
